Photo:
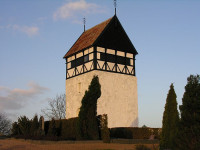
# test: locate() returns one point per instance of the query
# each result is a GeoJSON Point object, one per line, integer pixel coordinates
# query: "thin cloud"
{"type": "Point", "coordinates": [12, 99]}
{"type": "Point", "coordinates": [73, 9]}
{"type": "Point", "coordinates": [28, 30]}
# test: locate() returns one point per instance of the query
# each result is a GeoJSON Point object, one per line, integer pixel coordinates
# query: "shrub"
{"type": "Point", "coordinates": [134, 132]}
{"type": "Point", "coordinates": [46, 127]}
{"type": "Point", "coordinates": [52, 128]}
{"type": "Point", "coordinates": [105, 133]}
{"type": "Point", "coordinates": [65, 128]}
{"type": "Point", "coordinates": [142, 147]}
{"type": "Point", "coordinates": [68, 131]}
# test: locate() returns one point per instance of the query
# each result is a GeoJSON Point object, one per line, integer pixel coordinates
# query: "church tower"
{"type": "Point", "coordinates": [104, 50]}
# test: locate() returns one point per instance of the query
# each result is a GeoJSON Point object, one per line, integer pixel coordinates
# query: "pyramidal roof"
{"type": "Point", "coordinates": [91, 37]}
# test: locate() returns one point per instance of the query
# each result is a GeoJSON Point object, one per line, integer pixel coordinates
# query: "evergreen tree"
{"type": "Point", "coordinates": [15, 129]}
{"type": "Point", "coordinates": [170, 121]}
{"type": "Point", "coordinates": [87, 123]}
{"type": "Point", "coordinates": [189, 126]}
{"type": "Point", "coordinates": [34, 126]}
{"type": "Point", "coordinates": [24, 125]}
{"type": "Point", "coordinates": [41, 126]}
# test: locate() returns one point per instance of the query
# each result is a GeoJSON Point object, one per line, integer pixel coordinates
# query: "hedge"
{"type": "Point", "coordinates": [68, 131]}
{"type": "Point", "coordinates": [66, 128]}
{"type": "Point", "coordinates": [134, 133]}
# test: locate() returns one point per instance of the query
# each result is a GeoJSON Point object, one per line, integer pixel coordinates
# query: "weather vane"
{"type": "Point", "coordinates": [115, 5]}
{"type": "Point", "coordinates": [84, 21]}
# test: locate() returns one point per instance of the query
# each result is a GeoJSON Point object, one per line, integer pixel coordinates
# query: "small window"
{"type": "Point", "coordinates": [86, 58]}
{"type": "Point", "coordinates": [121, 60]}
{"type": "Point", "coordinates": [73, 63]}
{"type": "Point", "coordinates": [128, 61]}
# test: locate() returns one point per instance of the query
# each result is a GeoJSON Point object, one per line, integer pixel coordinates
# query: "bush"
{"type": "Point", "coordinates": [52, 128]}
{"type": "Point", "coordinates": [134, 133]}
{"type": "Point", "coordinates": [65, 129]}
{"type": "Point", "coordinates": [142, 147]}
{"type": "Point", "coordinates": [68, 131]}
{"type": "Point", "coordinates": [105, 133]}
{"type": "Point", "coordinates": [46, 127]}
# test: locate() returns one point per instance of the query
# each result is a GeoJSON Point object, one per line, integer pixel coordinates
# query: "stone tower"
{"type": "Point", "coordinates": [104, 50]}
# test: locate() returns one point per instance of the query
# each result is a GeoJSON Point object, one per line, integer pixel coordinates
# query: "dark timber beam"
{"type": "Point", "coordinates": [95, 58]}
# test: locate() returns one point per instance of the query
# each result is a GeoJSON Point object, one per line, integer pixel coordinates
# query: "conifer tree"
{"type": "Point", "coordinates": [189, 126]}
{"type": "Point", "coordinates": [34, 126]}
{"type": "Point", "coordinates": [15, 129]}
{"type": "Point", "coordinates": [87, 125]}
{"type": "Point", "coordinates": [41, 126]}
{"type": "Point", "coordinates": [170, 121]}
{"type": "Point", "coordinates": [24, 126]}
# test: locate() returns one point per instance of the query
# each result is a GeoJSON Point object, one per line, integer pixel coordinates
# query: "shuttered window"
{"type": "Point", "coordinates": [111, 58]}
{"type": "Point", "coordinates": [79, 61]}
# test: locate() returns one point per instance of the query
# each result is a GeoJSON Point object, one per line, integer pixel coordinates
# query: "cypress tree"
{"type": "Point", "coordinates": [34, 126]}
{"type": "Point", "coordinates": [189, 126]}
{"type": "Point", "coordinates": [41, 126]}
{"type": "Point", "coordinates": [87, 125]}
{"type": "Point", "coordinates": [170, 121]}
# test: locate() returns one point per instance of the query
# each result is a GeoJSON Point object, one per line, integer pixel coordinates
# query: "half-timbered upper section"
{"type": "Point", "coordinates": [104, 47]}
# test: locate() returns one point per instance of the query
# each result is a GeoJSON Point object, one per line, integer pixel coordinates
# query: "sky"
{"type": "Point", "coordinates": [35, 35]}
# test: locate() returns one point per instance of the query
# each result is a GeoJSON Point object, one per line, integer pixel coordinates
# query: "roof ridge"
{"type": "Point", "coordinates": [99, 24]}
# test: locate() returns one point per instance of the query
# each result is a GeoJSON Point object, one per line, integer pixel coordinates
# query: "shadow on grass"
{"type": "Point", "coordinates": [4, 137]}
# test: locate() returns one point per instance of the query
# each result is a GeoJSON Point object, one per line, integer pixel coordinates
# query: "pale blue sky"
{"type": "Point", "coordinates": [35, 35]}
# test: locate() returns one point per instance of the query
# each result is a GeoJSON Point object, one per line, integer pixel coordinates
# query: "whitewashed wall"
{"type": "Point", "coordinates": [118, 99]}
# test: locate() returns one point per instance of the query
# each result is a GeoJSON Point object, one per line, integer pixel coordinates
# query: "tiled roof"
{"type": "Point", "coordinates": [87, 38]}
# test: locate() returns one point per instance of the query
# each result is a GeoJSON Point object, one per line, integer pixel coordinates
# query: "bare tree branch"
{"type": "Point", "coordinates": [5, 124]}
{"type": "Point", "coordinates": [56, 108]}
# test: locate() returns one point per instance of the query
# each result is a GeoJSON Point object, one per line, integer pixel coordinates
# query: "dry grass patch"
{"type": "Point", "coordinates": [19, 144]}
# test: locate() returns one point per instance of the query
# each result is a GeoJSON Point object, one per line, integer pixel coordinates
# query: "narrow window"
{"type": "Point", "coordinates": [128, 61]}
{"type": "Point", "coordinates": [86, 58]}
{"type": "Point", "coordinates": [111, 58]}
